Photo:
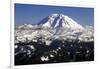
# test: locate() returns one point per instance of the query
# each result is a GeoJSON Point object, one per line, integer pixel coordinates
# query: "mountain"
{"type": "Point", "coordinates": [60, 20]}
{"type": "Point", "coordinates": [57, 38]}
{"type": "Point", "coordinates": [54, 26]}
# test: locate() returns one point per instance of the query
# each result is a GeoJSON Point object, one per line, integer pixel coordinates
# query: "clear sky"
{"type": "Point", "coordinates": [30, 13]}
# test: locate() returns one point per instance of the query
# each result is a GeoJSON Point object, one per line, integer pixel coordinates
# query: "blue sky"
{"type": "Point", "coordinates": [30, 13]}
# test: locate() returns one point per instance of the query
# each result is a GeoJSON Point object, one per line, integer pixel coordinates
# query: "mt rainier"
{"type": "Point", "coordinates": [55, 26]}
{"type": "Point", "coordinates": [60, 20]}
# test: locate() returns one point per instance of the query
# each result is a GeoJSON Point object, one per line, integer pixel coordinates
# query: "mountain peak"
{"type": "Point", "coordinates": [56, 14]}
{"type": "Point", "coordinates": [56, 26]}
{"type": "Point", "coordinates": [60, 20]}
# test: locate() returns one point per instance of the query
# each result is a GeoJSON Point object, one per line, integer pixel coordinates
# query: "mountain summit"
{"type": "Point", "coordinates": [60, 20]}
{"type": "Point", "coordinates": [55, 26]}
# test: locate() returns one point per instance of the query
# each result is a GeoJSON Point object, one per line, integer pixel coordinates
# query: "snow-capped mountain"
{"type": "Point", "coordinates": [60, 20]}
{"type": "Point", "coordinates": [57, 38]}
{"type": "Point", "coordinates": [55, 26]}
